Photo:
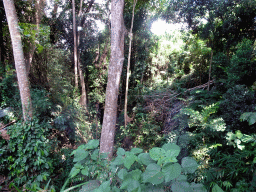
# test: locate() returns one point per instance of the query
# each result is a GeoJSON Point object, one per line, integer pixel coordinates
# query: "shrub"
{"type": "Point", "coordinates": [29, 159]}
{"type": "Point", "coordinates": [133, 170]}
{"type": "Point", "coordinates": [236, 101]}
{"type": "Point", "coordinates": [242, 68]}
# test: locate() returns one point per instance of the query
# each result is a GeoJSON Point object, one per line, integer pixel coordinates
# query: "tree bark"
{"type": "Point", "coordinates": [1, 37]}
{"type": "Point", "coordinates": [210, 69]}
{"type": "Point", "coordinates": [114, 74]}
{"type": "Point", "coordinates": [38, 13]}
{"type": "Point", "coordinates": [75, 43]}
{"type": "Point", "coordinates": [19, 59]}
{"type": "Point", "coordinates": [128, 68]}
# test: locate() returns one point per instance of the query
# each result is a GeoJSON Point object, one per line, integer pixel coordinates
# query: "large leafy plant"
{"type": "Point", "coordinates": [133, 170]}
{"type": "Point", "coordinates": [29, 149]}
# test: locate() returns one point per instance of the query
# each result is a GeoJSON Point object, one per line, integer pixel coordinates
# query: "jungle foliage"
{"type": "Point", "coordinates": [180, 136]}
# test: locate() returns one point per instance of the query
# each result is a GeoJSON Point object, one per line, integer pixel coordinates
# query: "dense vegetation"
{"type": "Point", "coordinates": [191, 104]}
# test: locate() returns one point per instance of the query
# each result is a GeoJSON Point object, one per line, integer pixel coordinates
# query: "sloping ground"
{"type": "Point", "coordinates": [168, 104]}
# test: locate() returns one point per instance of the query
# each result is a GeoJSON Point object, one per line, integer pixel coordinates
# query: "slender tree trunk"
{"type": "Point", "coordinates": [19, 58]}
{"type": "Point", "coordinates": [114, 74]}
{"type": "Point", "coordinates": [75, 43]}
{"type": "Point", "coordinates": [128, 68]}
{"type": "Point", "coordinates": [1, 36]}
{"type": "Point", "coordinates": [29, 56]}
{"type": "Point", "coordinates": [53, 29]}
{"type": "Point", "coordinates": [210, 69]}
{"type": "Point", "coordinates": [83, 99]}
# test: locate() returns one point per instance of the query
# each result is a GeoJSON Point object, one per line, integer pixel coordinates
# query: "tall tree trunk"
{"type": "Point", "coordinates": [1, 35]}
{"type": "Point", "coordinates": [83, 99]}
{"type": "Point", "coordinates": [19, 58]}
{"type": "Point", "coordinates": [75, 43]}
{"type": "Point", "coordinates": [114, 74]}
{"type": "Point", "coordinates": [53, 27]}
{"type": "Point", "coordinates": [29, 56]}
{"type": "Point", "coordinates": [128, 68]}
{"type": "Point", "coordinates": [210, 69]}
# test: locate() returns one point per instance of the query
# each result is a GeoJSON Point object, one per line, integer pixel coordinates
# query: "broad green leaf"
{"type": "Point", "coordinates": [129, 160]}
{"type": "Point", "coordinates": [172, 147]}
{"type": "Point", "coordinates": [151, 188]}
{"type": "Point", "coordinates": [182, 178]}
{"type": "Point", "coordinates": [216, 188]}
{"type": "Point", "coordinates": [136, 174]}
{"type": "Point", "coordinates": [119, 160]}
{"type": "Point", "coordinates": [197, 187]}
{"type": "Point", "coordinates": [249, 116]}
{"type": "Point", "coordinates": [74, 171]}
{"type": "Point", "coordinates": [95, 154]}
{"type": "Point", "coordinates": [104, 187]}
{"type": "Point", "coordinates": [171, 171]}
{"type": "Point", "coordinates": [78, 166]}
{"type": "Point", "coordinates": [136, 150]}
{"type": "Point", "coordinates": [120, 151]}
{"type": "Point", "coordinates": [125, 183]}
{"type": "Point", "coordinates": [103, 155]}
{"type": "Point", "coordinates": [189, 164]}
{"type": "Point", "coordinates": [157, 153]}
{"type": "Point", "coordinates": [178, 186]}
{"type": "Point", "coordinates": [115, 189]}
{"type": "Point", "coordinates": [90, 186]}
{"type": "Point", "coordinates": [80, 155]}
{"type": "Point", "coordinates": [254, 160]}
{"type": "Point", "coordinates": [145, 159]}
{"type": "Point", "coordinates": [122, 173]}
{"type": "Point", "coordinates": [85, 171]}
{"type": "Point", "coordinates": [170, 157]}
{"type": "Point", "coordinates": [92, 144]}
{"type": "Point", "coordinates": [134, 186]}
{"type": "Point", "coordinates": [153, 174]}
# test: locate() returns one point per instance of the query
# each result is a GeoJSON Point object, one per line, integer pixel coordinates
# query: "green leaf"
{"type": "Point", "coordinates": [119, 160]}
{"type": "Point", "coordinates": [171, 171]}
{"type": "Point", "coordinates": [153, 174]}
{"type": "Point", "coordinates": [178, 186]}
{"type": "Point", "coordinates": [157, 153]}
{"type": "Point", "coordinates": [134, 186]}
{"type": "Point", "coordinates": [249, 116]}
{"type": "Point", "coordinates": [122, 173]}
{"type": "Point", "coordinates": [182, 178]}
{"type": "Point", "coordinates": [189, 164]}
{"type": "Point", "coordinates": [120, 151]}
{"type": "Point", "coordinates": [145, 159]}
{"type": "Point", "coordinates": [80, 155]}
{"type": "Point", "coordinates": [136, 150]}
{"type": "Point", "coordinates": [135, 174]}
{"type": "Point", "coordinates": [95, 154]}
{"type": "Point", "coordinates": [74, 171]}
{"type": "Point", "coordinates": [90, 186]}
{"type": "Point", "coordinates": [125, 183]}
{"type": "Point", "coordinates": [170, 157]}
{"type": "Point", "coordinates": [104, 187]}
{"type": "Point", "coordinates": [151, 188]}
{"type": "Point", "coordinates": [92, 144]}
{"type": "Point", "coordinates": [129, 159]}
{"type": "Point", "coordinates": [78, 166]}
{"type": "Point", "coordinates": [172, 147]}
{"type": "Point", "coordinates": [198, 187]}
{"type": "Point", "coordinates": [216, 188]}
{"type": "Point", "coordinates": [85, 171]}
{"type": "Point", "coordinates": [254, 160]}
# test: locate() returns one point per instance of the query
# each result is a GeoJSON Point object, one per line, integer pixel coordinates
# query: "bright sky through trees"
{"type": "Point", "coordinates": [160, 27]}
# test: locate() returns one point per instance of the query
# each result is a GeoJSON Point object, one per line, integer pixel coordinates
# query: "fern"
{"type": "Point", "coordinates": [249, 116]}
